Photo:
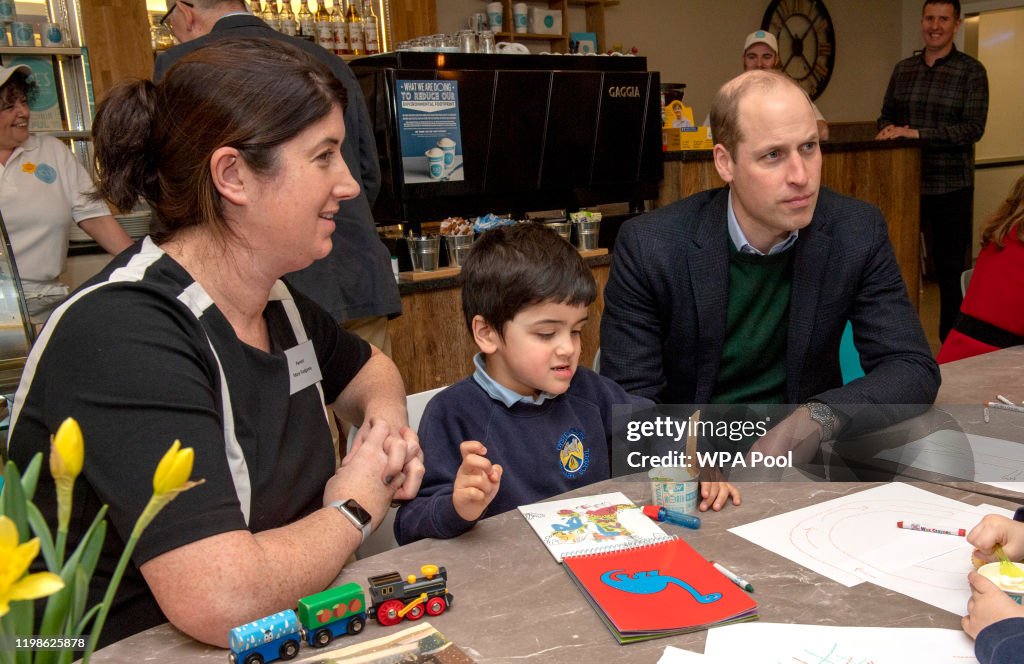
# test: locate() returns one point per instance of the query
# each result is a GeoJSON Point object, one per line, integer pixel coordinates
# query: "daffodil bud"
{"type": "Point", "coordinates": [67, 451]}
{"type": "Point", "coordinates": [174, 469]}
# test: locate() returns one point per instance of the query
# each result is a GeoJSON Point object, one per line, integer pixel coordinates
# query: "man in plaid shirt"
{"type": "Point", "coordinates": [940, 96]}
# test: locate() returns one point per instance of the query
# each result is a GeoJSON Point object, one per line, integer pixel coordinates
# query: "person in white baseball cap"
{"type": "Point", "coordinates": [761, 51]}
{"type": "Point", "coordinates": [43, 190]}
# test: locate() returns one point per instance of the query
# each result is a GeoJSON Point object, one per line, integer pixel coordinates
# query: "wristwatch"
{"type": "Point", "coordinates": [822, 414]}
{"type": "Point", "coordinates": [356, 514]}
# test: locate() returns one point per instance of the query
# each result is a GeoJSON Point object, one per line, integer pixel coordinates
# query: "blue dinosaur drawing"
{"type": "Point", "coordinates": [648, 583]}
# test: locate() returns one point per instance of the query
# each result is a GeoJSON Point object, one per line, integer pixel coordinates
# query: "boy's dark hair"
{"type": "Point", "coordinates": [513, 267]}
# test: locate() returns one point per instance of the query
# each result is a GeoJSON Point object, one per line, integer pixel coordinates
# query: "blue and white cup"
{"type": "Point", "coordinates": [435, 162]}
{"type": "Point", "coordinates": [447, 145]}
{"type": "Point", "coordinates": [519, 17]}
{"type": "Point", "coordinates": [674, 489]}
{"type": "Point", "coordinates": [1008, 584]}
{"type": "Point", "coordinates": [6, 11]}
{"type": "Point", "coordinates": [495, 16]}
{"type": "Point", "coordinates": [22, 34]}
{"type": "Point", "coordinates": [52, 35]}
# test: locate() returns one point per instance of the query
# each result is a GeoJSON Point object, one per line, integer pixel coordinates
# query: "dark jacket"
{"type": "Point", "coordinates": [667, 297]}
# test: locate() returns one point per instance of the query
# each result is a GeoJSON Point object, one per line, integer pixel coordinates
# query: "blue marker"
{"type": "Point", "coordinates": [679, 518]}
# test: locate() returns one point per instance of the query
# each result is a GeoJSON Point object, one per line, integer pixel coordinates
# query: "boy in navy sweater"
{"type": "Point", "coordinates": [529, 423]}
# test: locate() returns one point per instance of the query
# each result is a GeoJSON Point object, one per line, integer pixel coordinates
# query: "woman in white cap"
{"type": "Point", "coordinates": [43, 190]}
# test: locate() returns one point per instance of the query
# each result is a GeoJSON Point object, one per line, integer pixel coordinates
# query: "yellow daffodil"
{"type": "Point", "coordinates": [173, 470]}
{"type": "Point", "coordinates": [67, 451]}
{"type": "Point", "coordinates": [15, 559]}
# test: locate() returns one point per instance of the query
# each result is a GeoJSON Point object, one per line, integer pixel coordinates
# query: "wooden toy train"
{"type": "Point", "coordinates": [321, 617]}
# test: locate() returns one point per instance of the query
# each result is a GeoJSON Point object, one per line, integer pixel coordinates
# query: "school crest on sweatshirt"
{"type": "Point", "coordinates": [573, 454]}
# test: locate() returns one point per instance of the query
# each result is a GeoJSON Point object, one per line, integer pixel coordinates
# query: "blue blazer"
{"type": "Point", "coordinates": [666, 302]}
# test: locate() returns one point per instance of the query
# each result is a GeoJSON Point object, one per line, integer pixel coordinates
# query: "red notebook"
{"type": "Point", "coordinates": [658, 589]}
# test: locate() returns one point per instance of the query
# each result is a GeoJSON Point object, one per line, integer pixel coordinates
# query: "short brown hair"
{"type": "Point", "coordinates": [725, 114]}
{"type": "Point", "coordinates": [513, 267]}
{"type": "Point", "coordinates": [156, 140]}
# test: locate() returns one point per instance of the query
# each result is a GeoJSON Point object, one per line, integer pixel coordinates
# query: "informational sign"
{"type": "Point", "coordinates": [429, 127]}
{"type": "Point", "coordinates": [46, 105]}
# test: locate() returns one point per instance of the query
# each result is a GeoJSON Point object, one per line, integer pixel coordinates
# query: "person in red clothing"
{"type": "Point", "coordinates": [992, 314]}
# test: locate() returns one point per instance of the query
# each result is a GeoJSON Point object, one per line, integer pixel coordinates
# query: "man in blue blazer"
{"type": "Point", "coordinates": [741, 294]}
{"type": "Point", "coordinates": [354, 283]}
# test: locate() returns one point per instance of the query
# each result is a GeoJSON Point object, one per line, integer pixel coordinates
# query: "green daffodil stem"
{"type": "Point", "coordinates": [156, 503]}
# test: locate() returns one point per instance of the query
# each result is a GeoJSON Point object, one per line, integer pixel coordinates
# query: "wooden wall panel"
{"type": "Point", "coordinates": [117, 34]}
{"type": "Point", "coordinates": [414, 18]}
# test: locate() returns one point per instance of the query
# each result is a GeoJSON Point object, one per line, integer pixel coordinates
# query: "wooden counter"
{"type": "Point", "coordinates": [430, 342]}
{"type": "Point", "coordinates": [883, 173]}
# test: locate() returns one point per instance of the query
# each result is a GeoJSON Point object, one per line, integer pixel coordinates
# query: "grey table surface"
{"type": "Point", "coordinates": [513, 603]}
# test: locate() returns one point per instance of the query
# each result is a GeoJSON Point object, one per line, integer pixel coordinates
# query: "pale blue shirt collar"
{"type": "Point", "coordinates": [499, 392]}
{"type": "Point", "coordinates": [739, 239]}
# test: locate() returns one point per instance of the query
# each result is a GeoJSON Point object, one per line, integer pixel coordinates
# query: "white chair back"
{"type": "Point", "coordinates": [383, 539]}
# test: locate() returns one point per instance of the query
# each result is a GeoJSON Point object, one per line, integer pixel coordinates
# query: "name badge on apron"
{"type": "Point", "coordinates": [303, 369]}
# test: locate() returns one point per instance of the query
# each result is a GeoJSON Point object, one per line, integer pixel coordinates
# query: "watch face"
{"type": "Point", "coordinates": [356, 510]}
{"type": "Point", "coordinates": [806, 39]}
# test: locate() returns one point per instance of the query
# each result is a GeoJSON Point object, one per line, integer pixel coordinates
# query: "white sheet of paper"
{"type": "Point", "coordinates": [773, 643]}
{"type": "Point", "coordinates": [854, 538]}
{"type": "Point", "coordinates": [673, 655]}
{"type": "Point", "coordinates": [956, 454]}
{"type": "Point", "coordinates": [940, 581]}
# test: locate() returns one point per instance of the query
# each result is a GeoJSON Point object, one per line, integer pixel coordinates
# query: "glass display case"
{"type": "Point", "coordinates": [16, 332]}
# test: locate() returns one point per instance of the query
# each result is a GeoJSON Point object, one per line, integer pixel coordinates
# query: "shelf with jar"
{"type": "Point", "coordinates": [516, 25]}
{"type": "Point", "coordinates": [47, 38]}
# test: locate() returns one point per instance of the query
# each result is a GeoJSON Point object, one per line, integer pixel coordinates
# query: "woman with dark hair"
{"type": "Point", "coordinates": [191, 335]}
{"type": "Point", "coordinates": [43, 190]}
{"type": "Point", "coordinates": [992, 314]}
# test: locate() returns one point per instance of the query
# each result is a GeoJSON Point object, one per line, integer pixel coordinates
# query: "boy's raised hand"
{"type": "Point", "coordinates": [476, 482]}
{"type": "Point", "coordinates": [997, 529]}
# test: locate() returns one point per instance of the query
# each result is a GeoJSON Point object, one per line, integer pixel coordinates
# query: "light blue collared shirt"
{"type": "Point", "coordinates": [739, 239]}
{"type": "Point", "coordinates": [499, 392]}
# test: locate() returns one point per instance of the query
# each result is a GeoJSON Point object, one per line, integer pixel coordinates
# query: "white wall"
{"type": "Point", "coordinates": [698, 42]}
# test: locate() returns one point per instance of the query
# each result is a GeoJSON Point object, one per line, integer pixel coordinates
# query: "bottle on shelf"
{"type": "Point", "coordinates": [371, 29]}
{"type": "Point", "coordinates": [341, 46]}
{"type": "Point", "coordinates": [288, 24]}
{"type": "Point", "coordinates": [324, 27]}
{"type": "Point", "coordinates": [307, 22]}
{"type": "Point", "coordinates": [355, 28]}
{"type": "Point", "coordinates": [270, 16]}
{"type": "Point", "coordinates": [254, 8]}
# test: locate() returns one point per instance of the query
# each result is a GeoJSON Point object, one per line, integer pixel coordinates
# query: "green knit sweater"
{"type": "Point", "coordinates": [753, 368]}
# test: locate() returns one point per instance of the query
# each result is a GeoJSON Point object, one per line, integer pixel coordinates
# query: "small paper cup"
{"type": "Point", "coordinates": [992, 573]}
{"type": "Point", "coordinates": [675, 489]}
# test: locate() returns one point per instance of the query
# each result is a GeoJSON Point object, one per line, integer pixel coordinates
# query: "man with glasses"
{"type": "Point", "coordinates": [354, 282]}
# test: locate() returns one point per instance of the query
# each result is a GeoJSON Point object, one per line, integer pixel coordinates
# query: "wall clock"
{"type": "Point", "coordinates": [807, 41]}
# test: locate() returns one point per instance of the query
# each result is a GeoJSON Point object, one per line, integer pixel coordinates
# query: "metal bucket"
{"type": "Point", "coordinates": [587, 233]}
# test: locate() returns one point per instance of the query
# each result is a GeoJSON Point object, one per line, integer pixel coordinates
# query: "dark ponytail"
{"type": "Point", "coordinates": [124, 153]}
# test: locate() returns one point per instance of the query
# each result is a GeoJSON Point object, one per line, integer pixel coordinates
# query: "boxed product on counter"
{"type": "Point", "coordinates": [544, 21]}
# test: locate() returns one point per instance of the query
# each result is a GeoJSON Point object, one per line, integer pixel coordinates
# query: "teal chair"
{"type": "Point", "coordinates": [849, 358]}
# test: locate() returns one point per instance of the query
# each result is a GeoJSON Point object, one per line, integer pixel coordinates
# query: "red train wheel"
{"type": "Point", "coordinates": [387, 613]}
{"type": "Point", "coordinates": [415, 613]}
{"type": "Point", "coordinates": [435, 606]}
